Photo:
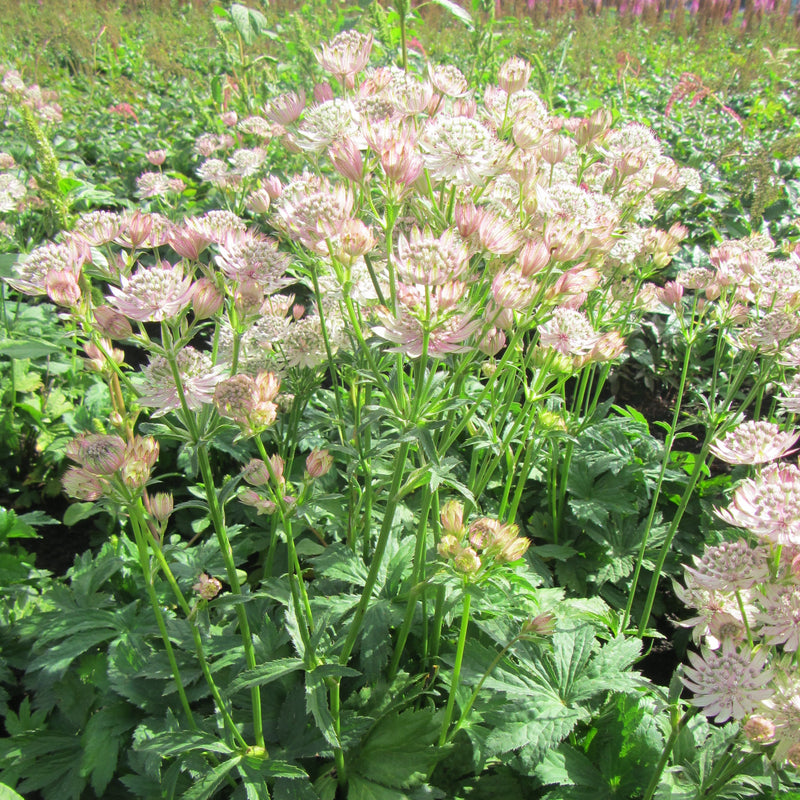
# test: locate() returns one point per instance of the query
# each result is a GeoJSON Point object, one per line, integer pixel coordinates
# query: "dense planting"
{"type": "Point", "coordinates": [403, 407]}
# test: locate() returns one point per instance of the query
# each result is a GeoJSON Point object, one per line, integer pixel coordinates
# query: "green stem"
{"type": "Point", "coordinates": [377, 557]}
{"type": "Point", "coordinates": [198, 645]}
{"type": "Point", "coordinates": [224, 543]}
{"type": "Point", "coordinates": [476, 691]}
{"type": "Point", "coordinates": [462, 641]}
{"type": "Point", "coordinates": [137, 525]}
{"type": "Point", "coordinates": [667, 751]}
{"type": "Point", "coordinates": [659, 482]}
{"type": "Point", "coordinates": [418, 577]}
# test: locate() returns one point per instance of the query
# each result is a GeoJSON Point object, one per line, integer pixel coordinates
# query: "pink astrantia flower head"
{"type": "Point", "coordinates": [754, 443]}
{"type": "Point", "coordinates": [431, 260]}
{"type": "Point", "coordinates": [346, 55]}
{"type": "Point", "coordinates": [728, 683]}
{"type": "Point", "coordinates": [779, 621]}
{"type": "Point", "coordinates": [461, 149]}
{"type": "Point", "coordinates": [153, 293]}
{"type": "Point", "coordinates": [768, 505]}
{"type": "Point", "coordinates": [198, 378]}
{"type": "Point", "coordinates": [568, 332]}
{"type": "Point", "coordinates": [729, 566]}
{"type": "Point", "coordinates": [100, 454]}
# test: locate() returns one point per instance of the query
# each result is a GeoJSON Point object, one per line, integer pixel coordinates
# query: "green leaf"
{"type": "Point", "coordinates": [26, 348]}
{"type": "Point", "coordinates": [101, 742]}
{"type": "Point", "coordinates": [173, 743]}
{"type": "Point", "coordinates": [77, 512]}
{"type": "Point", "coordinates": [535, 726]}
{"type": "Point", "coordinates": [359, 788]}
{"type": "Point", "coordinates": [266, 673]}
{"type": "Point", "coordinates": [571, 651]}
{"type": "Point", "coordinates": [460, 13]}
{"type": "Point", "coordinates": [7, 793]}
{"type": "Point", "coordinates": [248, 21]}
{"type": "Point", "coordinates": [399, 751]}
{"type": "Point", "coordinates": [317, 706]}
{"type": "Point", "coordinates": [206, 786]}
{"type": "Point", "coordinates": [565, 766]}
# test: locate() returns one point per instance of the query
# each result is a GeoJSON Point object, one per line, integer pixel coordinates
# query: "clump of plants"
{"type": "Point", "coordinates": [373, 527]}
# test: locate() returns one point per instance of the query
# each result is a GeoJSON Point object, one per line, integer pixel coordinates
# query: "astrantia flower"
{"type": "Point", "coordinates": [754, 443]}
{"type": "Point", "coordinates": [330, 122]}
{"type": "Point", "coordinates": [790, 400]}
{"type": "Point", "coordinates": [407, 332]}
{"type": "Point", "coordinates": [251, 256]}
{"type": "Point", "coordinates": [312, 209]}
{"type": "Point", "coordinates": [514, 75]}
{"type": "Point", "coordinates": [345, 55]}
{"type": "Point", "coordinates": [153, 294]}
{"type": "Point", "coordinates": [82, 484]}
{"type": "Point", "coordinates": [431, 260]}
{"type": "Point", "coordinates": [98, 453]}
{"type": "Point", "coordinates": [449, 80]}
{"type": "Point", "coordinates": [12, 190]}
{"type": "Point", "coordinates": [730, 566]}
{"type": "Point", "coordinates": [304, 344]}
{"type": "Point", "coordinates": [249, 401]}
{"type": "Point", "coordinates": [98, 227]}
{"type": "Point", "coordinates": [568, 332]}
{"type": "Point", "coordinates": [768, 505]}
{"type": "Point", "coordinates": [215, 226]}
{"type": "Point", "coordinates": [780, 618]}
{"type": "Point", "coordinates": [461, 149]}
{"type": "Point", "coordinates": [198, 378]}
{"type": "Point", "coordinates": [31, 274]}
{"type": "Point", "coordinates": [247, 162]}
{"type": "Point", "coordinates": [286, 108]}
{"type": "Point", "coordinates": [771, 332]}
{"type": "Point", "coordinates": [728, 683]}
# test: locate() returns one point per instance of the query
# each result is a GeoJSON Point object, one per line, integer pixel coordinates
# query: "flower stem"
{"type": "Point", "coordinates": [138, 526]}
{"type": "Point", "coordinates": [224, 543]}
{"type": "Point", "coordinates": [462, 641]}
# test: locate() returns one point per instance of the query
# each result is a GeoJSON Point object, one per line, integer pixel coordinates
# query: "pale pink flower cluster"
{"type": "Point", "coordinates": [152, 294]}
{"type": "Point", "coordinates": [754, 443]}
{"type": "Point", "coordinates": [747, 600]}
{"type": "Point", "coordinates": [157, 184]}
{"type": "Point", "coordinates": [198, 379]}
{"type": "Point", "coordinates": [108, 466]}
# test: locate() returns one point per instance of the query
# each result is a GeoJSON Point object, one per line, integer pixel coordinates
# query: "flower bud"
{"type": "Point", "coordinates": [157, 157]}
{"type": "Point", "coordinates": [207, 587]}
{"type": "Point", "coordinates": [541, 625]}
{"type": "Point", "coordinates": [318, 463]}
{"type": "Point", "coordinates": [206, 298]}
{"type": "Point", "coordinates": [160, 505]}
{"type": "Point", "coordinates": [62, 287]}
{"type": "Point", "coordinates": [452, 517]}
{"type": "Point", "coordinates": [467, 561]}
{"type": "Point", "coordinates": [793, 755]}
{"type": "Point", "coordinates": [111, 323]}
{"type": "Point", "coordinates": [514, 75]}
{"type": "Point", "coordinates": [256, 472]}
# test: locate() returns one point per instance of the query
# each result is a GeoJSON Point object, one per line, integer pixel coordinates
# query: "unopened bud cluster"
{"type": "Point", "coordinates": [482, 544]}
